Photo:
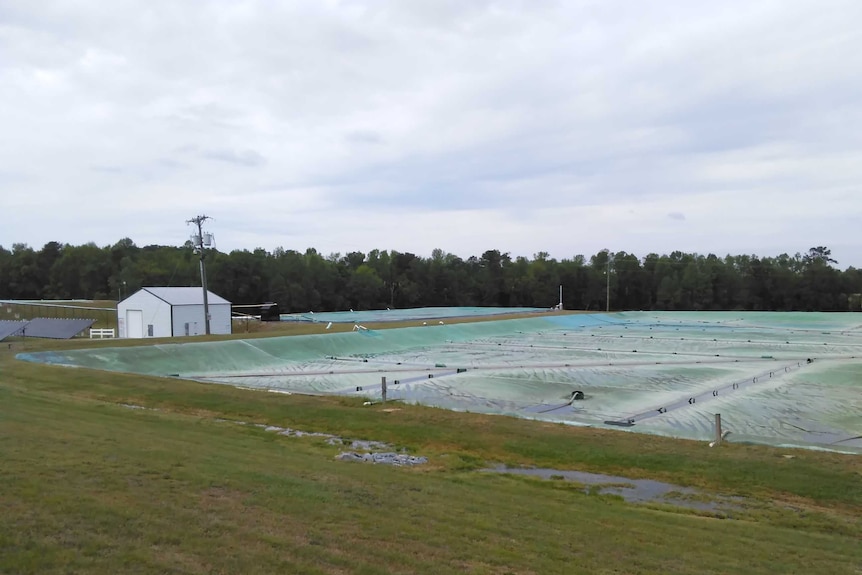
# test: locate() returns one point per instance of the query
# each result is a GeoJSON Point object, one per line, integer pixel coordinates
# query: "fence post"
{"type": "Point", "coordinates": [718, 429]}
{"type": "Point", "coordinates": [383, 388]}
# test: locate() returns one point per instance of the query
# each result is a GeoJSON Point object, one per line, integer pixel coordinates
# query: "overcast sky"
{"type": "Point", "coordinates": [564, 127]}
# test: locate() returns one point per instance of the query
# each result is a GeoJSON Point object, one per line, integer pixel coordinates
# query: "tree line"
{"type": "Point", "coordinates": [304, 281]}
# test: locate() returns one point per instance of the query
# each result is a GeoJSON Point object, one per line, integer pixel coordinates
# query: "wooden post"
{"type": "Point", "coordinates": [718, 429]}
{"type": "Point", "coordinates": [383, 388]}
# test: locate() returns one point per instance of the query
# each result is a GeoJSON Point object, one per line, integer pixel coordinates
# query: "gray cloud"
{"type": "Point", "coordinates": [247, 158]}
{"type": "Point", "coordinates": [521, 126]}
{"type": "Point", "coordinates": [364, 137]}
{"type": "Point", "coordinates": [109, 169]}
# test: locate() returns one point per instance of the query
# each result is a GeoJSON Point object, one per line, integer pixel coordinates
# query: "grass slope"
{"type": "Point", "coordinates": [91, 486]}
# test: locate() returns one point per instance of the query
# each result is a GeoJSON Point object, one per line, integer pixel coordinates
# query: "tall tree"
{"type": "Point", "coordinates": [306, 281]}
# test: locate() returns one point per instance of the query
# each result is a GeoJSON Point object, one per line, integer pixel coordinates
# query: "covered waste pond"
{"type": "Point", "coordinates": [409, 314]}
{"type": "Point", "coordinates": [777, 378]}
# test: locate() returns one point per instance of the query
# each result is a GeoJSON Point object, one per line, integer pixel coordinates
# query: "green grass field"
{"type": "Point", "coordinates": [89, 485]}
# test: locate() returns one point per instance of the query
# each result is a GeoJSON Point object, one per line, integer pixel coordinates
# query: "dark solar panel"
{"type": "Point", "coordinates": [56, 328]}
{"type": "Point", "coordinates": [8, 328]}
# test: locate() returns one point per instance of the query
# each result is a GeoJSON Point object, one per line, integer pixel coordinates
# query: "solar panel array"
{"type": "Point", "coordinates": [52, 328]}
{"type": "Point", "coordinates": [55, 328]}
{"type": "Point", "coordinates": [8, 328]}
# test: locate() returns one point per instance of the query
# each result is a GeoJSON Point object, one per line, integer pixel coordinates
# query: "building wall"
{"type": "Point", "coordinates": [155, 313]}
{"type": "Point", "coordinates": [194, 316]}
{"type": "Point", "coordinates": [220, 321]}
{"type": "Point", "coordinates": [191, 314]}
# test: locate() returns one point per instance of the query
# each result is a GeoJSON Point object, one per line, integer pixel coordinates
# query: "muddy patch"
{"type": "Point", "coordinates": [387, 458]}
{"type": "Point", "coordinates": [632, 490]}
{"type": "Point", "coordinates": [363, 450]}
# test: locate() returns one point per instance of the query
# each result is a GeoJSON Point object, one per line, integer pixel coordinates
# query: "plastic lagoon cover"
{"type": "Point", "coordinates": [409, 314]}
{"type": "Point", "coordinates": [777, 378]}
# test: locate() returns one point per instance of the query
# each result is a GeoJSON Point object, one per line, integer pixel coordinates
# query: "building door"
{"type": "Point", "coordinates": [134, 323]}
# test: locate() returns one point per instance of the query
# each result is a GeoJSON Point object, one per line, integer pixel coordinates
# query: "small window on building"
{"type": "Point", "coordinates": [150, 330]}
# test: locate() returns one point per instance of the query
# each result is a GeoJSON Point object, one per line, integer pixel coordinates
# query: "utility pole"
{"type": "Point", "coordinates": [200, 247]}
{"type": "Point", "coordinates": [607, 287]}
{"type": "Point", "coordinates": [608, 282]}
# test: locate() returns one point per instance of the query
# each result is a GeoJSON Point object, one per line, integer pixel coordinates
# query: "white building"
{"type": "Point", "coordinates": [171, 312]}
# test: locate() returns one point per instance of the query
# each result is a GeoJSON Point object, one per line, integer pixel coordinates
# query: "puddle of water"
{"type": "Point", "coordinates": [631, 490]}
{"type": "Point", "coordinates": [389, 458]}
{"type": "Point", "coordinates": [366, 445]}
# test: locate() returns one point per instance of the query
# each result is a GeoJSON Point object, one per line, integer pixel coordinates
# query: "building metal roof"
{"type": "Point", "coordinates": [185, 295]}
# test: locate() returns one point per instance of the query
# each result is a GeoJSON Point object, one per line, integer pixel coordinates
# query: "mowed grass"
{"type": "Point", "coordinates": [88, 485]}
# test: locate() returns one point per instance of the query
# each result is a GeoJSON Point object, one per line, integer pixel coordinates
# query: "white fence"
{"type": "Point", "coordinates": [102, 333]}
